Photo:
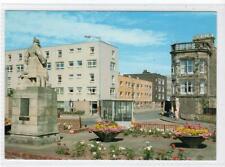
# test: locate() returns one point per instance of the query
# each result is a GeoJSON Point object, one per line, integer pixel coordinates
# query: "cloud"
{"type": "Point", "coordinates": [61, 26]}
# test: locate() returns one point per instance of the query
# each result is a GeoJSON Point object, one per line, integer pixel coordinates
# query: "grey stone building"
{"type": "Point", "coordinates": [159, 84]}
{"type": "Point", "coordinates": [194, 76]}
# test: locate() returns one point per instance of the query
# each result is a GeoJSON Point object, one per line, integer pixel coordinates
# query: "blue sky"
{"type": "Point", "coordinates": [143, 38]}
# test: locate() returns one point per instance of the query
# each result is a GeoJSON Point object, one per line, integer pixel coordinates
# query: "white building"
{"type": "Point", "coordinates": [82, 74]}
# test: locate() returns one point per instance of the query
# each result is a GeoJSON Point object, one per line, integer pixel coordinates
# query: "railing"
{"type": "Point", "coordinates": [148, 125]}
{"type": "Point", "coordinates": [189, 46]}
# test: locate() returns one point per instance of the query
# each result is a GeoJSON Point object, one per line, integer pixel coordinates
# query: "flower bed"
{"type": "Point", "coordinates": [106, 130]}
{"type": "Point", "coordinates": [97, 150]}
{"type": "Point", "coordinates": [135, 132]}
{"type": "Point", "coordinates": [192, 135]}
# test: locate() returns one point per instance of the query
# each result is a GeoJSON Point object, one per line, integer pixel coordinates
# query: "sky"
{"type": "Point", "coordinates": [144, 39]}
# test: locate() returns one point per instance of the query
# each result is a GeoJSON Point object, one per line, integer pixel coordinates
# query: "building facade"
{"type": "Point", "coordinates": [159, 84]}
{"type": "Point", "coordinates": [194, 76]}
{"type": "Point", "coordinates": [138, 90]}
{"type": "Point", "coordinates": [169, 87]}
{"type": "Point", "coordinates": [82, 74]}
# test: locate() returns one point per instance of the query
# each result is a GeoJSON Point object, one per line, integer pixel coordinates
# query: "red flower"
{"type": "Point", "coordinates": [175, 158]}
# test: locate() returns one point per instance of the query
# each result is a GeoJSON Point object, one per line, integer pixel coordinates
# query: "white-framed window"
{"type": "Point", "coordinates": [59, 65]}
{"type": "Point", "coordinates": [59, 78]}
{"type": "Point", "coordinates": [113, 52]}
{"type": "Point", "coordinates": [49, 66]}
{"type": "Point", "coordinates": [19, 67]}
{"type": "Point", "coordinates": [59, 53]}
{"type": "Point", "coordinates": [71, 76]}
{"type": "Point", "coordinates": [202, 87]}
{"type": "Point", "coordinates": [92, 50]}
{"type": "Point", "coordinates": [59, 90]}
{"type": "Point", "coordinates": [202, 66]}
{"type": "Point", "coordinates": [71, 63]}
{"type": "Point", "coordinates": [186, 66]}
{"type": "Point", "coordinates": [79, 76]}
{"type": "Point", "coordinates": [92, 77]}
{"type": "Point", "coordinates": [159, 88]}
{"type": "Point", "coordinates": [10, 57]}
{"type": "Point", "coordinates": [71, 50]}
{"type": "Point", "coordinates": [113, 79]}
{"type": "Point", "coordinates": [91, 63]}
{"type": "Point", "coordinates": [91, 90]}
{"type": "Point", "coordinates": [47, 54]}
{"type": "Point", "coordinates": [187, 87]}
{"type": "Point", "coordinates": [9, 68]}
{"type": "Point", "coordinates": [70, 89]}
{"type": "Point", "coordinates": [79, 63]}
{"type": "Point", "coordinates": [20, 56]}
{"type": "Point", "coordinates": [79, 90]}
{"type": "Point", "coordinates": [112, 91]}
{"type": "Point", "coordinates": [112, 66]}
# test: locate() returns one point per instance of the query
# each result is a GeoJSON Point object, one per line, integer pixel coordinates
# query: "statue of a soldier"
{"type": "Point", "coordinates": [35, 73]}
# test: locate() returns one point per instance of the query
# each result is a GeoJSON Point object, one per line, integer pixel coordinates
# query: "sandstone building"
{"type": "Point", "coordinates": [138, 90]}
{"type": "Point", "coordinates": [194, 76]}
{"type": "Point", "coordinates": [159, 85]}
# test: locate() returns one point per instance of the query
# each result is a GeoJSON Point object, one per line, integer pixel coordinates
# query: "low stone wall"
{"type": "Point", "coordinates": [199, 117]}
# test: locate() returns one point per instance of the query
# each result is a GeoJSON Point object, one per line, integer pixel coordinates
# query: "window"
{"type": "Point", "coordinates": [186, 87]}
{"type": "Point", "coordinates": [79, 63]}
{"type": "Point", "coordinates": [20, 56]}
{"type": "Point", "coordinates": [71, 76]}
{"type": "Point", "coordinates": [79, 49]}
{"type": "Point", "coordinates": [47, 54]}
{"type": "Point", "coordinates": [172, 70]}
{"type": "Point", "coordinates": [91, 63]}
{"type": "Point", "coordinates": [49, 66]}
{"type": "Point", "coordinates": [92, 77]}
{"type": "Point", "coordinates": [186, 67]}
{"type": "Point", "coordinates": [71, 63]}
{"type": "Point", "coordinates": [59, 53]}
{"type": "Point", "coordinates": [59, 78]}
{"type": "Point", "coordinates": [112, 91]}
{"type": "Point", "coordinates": [91, 90]}
{"type": "Point", "coordinates": [121, 83]}
{"type": "Point", "coordinates": [71, 50]}
{"type": "Point", "coordinates": [202, 87]}
{"type": "Point", "coordinates": [70, 89]}
{"type": "Point", "coordinates": [9, 68]}
{"type": "Point", "coordinates": [92, 50]}
{"type": "Point", "coordinates": [59, 90]}
{"type": "Point", "coordinates": [10, 57]}
{"type": "Point", "coordinates": [113, 79]}
{"type": "Point", "coordinates": [79, 76]}
{"type": "Point", "coordinates": [113, 52]}
{"type": "Point", "coordinates": [20, 67]}
{"type": "Point", "coordinates": [202, 66]}
{"type": "Point", "coordinates": [112, 66]}
{"type": "Point", "coordinates": [79, 89]}
{"type": "Point", "coordinates": [59, 65]}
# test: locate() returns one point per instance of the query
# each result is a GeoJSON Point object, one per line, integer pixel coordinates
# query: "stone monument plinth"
{"type": "Point", "coordinates": [34, 111]}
